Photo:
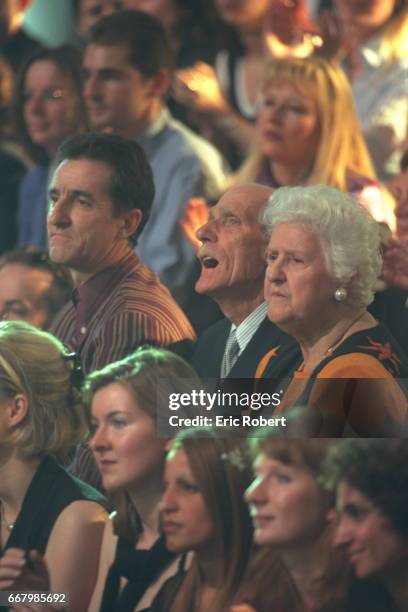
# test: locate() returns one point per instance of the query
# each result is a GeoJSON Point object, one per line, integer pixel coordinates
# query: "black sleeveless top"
{"type": "Point", "coordinates": [51, 490]}
{"type": "Point", "coordinates": [140, 567]}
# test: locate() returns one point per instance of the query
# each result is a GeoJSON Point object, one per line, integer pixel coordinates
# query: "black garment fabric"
{"type": "Point", "coordinates": [376, 342]}
{"type": "Point", "coordinates": [390, 307]}
{"type": "Point", "coordinates": [140, 567]}
{"type": "Point", "coordinates": [167, 594]}
{"type": "Point", "coordinates": [209, 351]}
{"type": "Point", "coordinates": [17, 48]}
{"type": "Point", "coordinates": [11, 173]}
{"type": "Point", "coordinates": [370, 595]}
{"type": "Point", "coordinates": [51, 490]}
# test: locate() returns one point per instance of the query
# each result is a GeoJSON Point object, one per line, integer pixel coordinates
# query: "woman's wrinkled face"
{"type": "Point", "coordinates": [48, 107]}
{"type": "Point", "coordinates": [298, 285]}
{"type": "Point", "coordinates": [287, 506]}
{"type": "Point", "coordinates": [187, 524]}
{"type": "Point", "coordinates": [288, 127]}
{"type": "Point", "coordinates": [125, 443]}
{"type": "Point", "coordinates": [371, 543]}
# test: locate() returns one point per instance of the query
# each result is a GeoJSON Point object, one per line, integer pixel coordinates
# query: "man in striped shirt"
{"type": "Point", "coordinates": [100, 199]}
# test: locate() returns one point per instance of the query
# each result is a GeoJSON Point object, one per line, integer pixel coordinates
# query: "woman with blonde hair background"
{"type": "Point", "coordinates": [42, 508]}
{"type": "Point", "coordinates": [370, 38]}
{"type": "Point", "coordinates": [308, 133]}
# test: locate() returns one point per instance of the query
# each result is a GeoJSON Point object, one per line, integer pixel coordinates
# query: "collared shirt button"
{"type": "Point", "coordinates": [83, 329]}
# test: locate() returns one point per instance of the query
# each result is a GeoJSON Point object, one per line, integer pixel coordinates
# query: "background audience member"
{"type": "Point", "coordinates": [371, 477]}
{"type": "Point", "coordinates": [88, 12]}
{"type": "Point", "coordinates": [372, 40]}
{"type": "Point", "coordinates": [48, 108]}
{"type": "Point", "coordinates": [308, 133]}
{"type": "Point", "coordinates": [130, 456]}
{"type": "Point", "coordinates": [399, 189]}
{"type": "Point", "coordinates": [32, 289]}
{"type": "Point", "coordinates": [128, 70]}
{"type": "Point", "coordinates": [11, 167]}
{"type": "Point", "coordinates": [391, 301]}
{"type": "Point", "coordinates": [189, 26]}
{"type": "Point", "coordinates": [226, 98]}
{"type": "Point", "coordinates": [290, 510]}
{"type": "Point", "coordinates": [15, 44]}
{"type": "Point", "coordinates": [203, 511]}
{"type": "Point", "coordinates": [42, 508]}
{"type": "Point", "coordinates": [323, 260]}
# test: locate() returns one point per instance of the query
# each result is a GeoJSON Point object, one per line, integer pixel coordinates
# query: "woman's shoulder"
{"type": "Point", "coordinates": [50, 493]}
{"type": "Point", "coordinates": [53, 490]}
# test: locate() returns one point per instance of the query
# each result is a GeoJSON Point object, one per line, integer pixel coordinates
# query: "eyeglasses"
{"type": "Point", "coordinates": [46, 95]}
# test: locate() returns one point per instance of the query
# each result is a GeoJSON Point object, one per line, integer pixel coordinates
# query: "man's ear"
{"type": "Point", "coordinates": [17, 408]}
{"type": "Point", "coordinates": [131, 219]}
{"type": "Point", "coordinates": [160, 83]}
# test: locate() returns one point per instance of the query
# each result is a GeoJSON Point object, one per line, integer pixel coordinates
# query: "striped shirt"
{"type": "Point", "coordinates": [117, 310]}
{"type": "Point", "coordinates": [246, 330]}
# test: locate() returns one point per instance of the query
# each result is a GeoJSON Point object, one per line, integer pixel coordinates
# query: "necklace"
{"type": "Point", "coordinates": [338, 340]}
{"type": "Point", "coordinates": [8, 526]}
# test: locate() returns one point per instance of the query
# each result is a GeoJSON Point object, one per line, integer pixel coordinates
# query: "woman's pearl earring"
{"type": "Point", "coordinates": [340, 294]}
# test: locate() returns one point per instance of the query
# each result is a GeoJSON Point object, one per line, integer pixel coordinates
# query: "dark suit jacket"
{"type": "Point", "coordinates": [209, 350]}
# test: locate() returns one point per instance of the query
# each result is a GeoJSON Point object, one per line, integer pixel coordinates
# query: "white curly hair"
{"type": "Point", "coordinates": [349, 236]}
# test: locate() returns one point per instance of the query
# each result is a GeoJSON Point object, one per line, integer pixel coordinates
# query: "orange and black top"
{"type": "Point", "coordinates": [360, 389]}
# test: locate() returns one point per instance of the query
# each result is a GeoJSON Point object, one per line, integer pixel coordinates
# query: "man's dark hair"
{"type": "Point", "coordinates": [148, 46]}
{"type": "Point", "coordinates": [60, 289]}
{"type": "Point", "coordinates": [131, 185]}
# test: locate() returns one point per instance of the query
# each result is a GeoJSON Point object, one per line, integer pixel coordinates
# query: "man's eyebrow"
{"type": "Point", "coordinates": [74, 193]}
{"type": "Point", "coordinates": [110, 70]}
{"type": "Point", "coordinates": [13, 302]}
{"type": "Point", "coordinates": [81, 193]}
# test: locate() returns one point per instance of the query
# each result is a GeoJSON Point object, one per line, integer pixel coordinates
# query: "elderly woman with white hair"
{"type": "Point", "coordinates": [323, 260]}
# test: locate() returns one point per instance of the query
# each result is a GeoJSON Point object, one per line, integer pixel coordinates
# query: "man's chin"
{"type": "Point", "coordinates": [56, 256]}
{"type": "Point", "coordinates": [203, 288]}
{"type": "Point", "coordinates": [101, 123]}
